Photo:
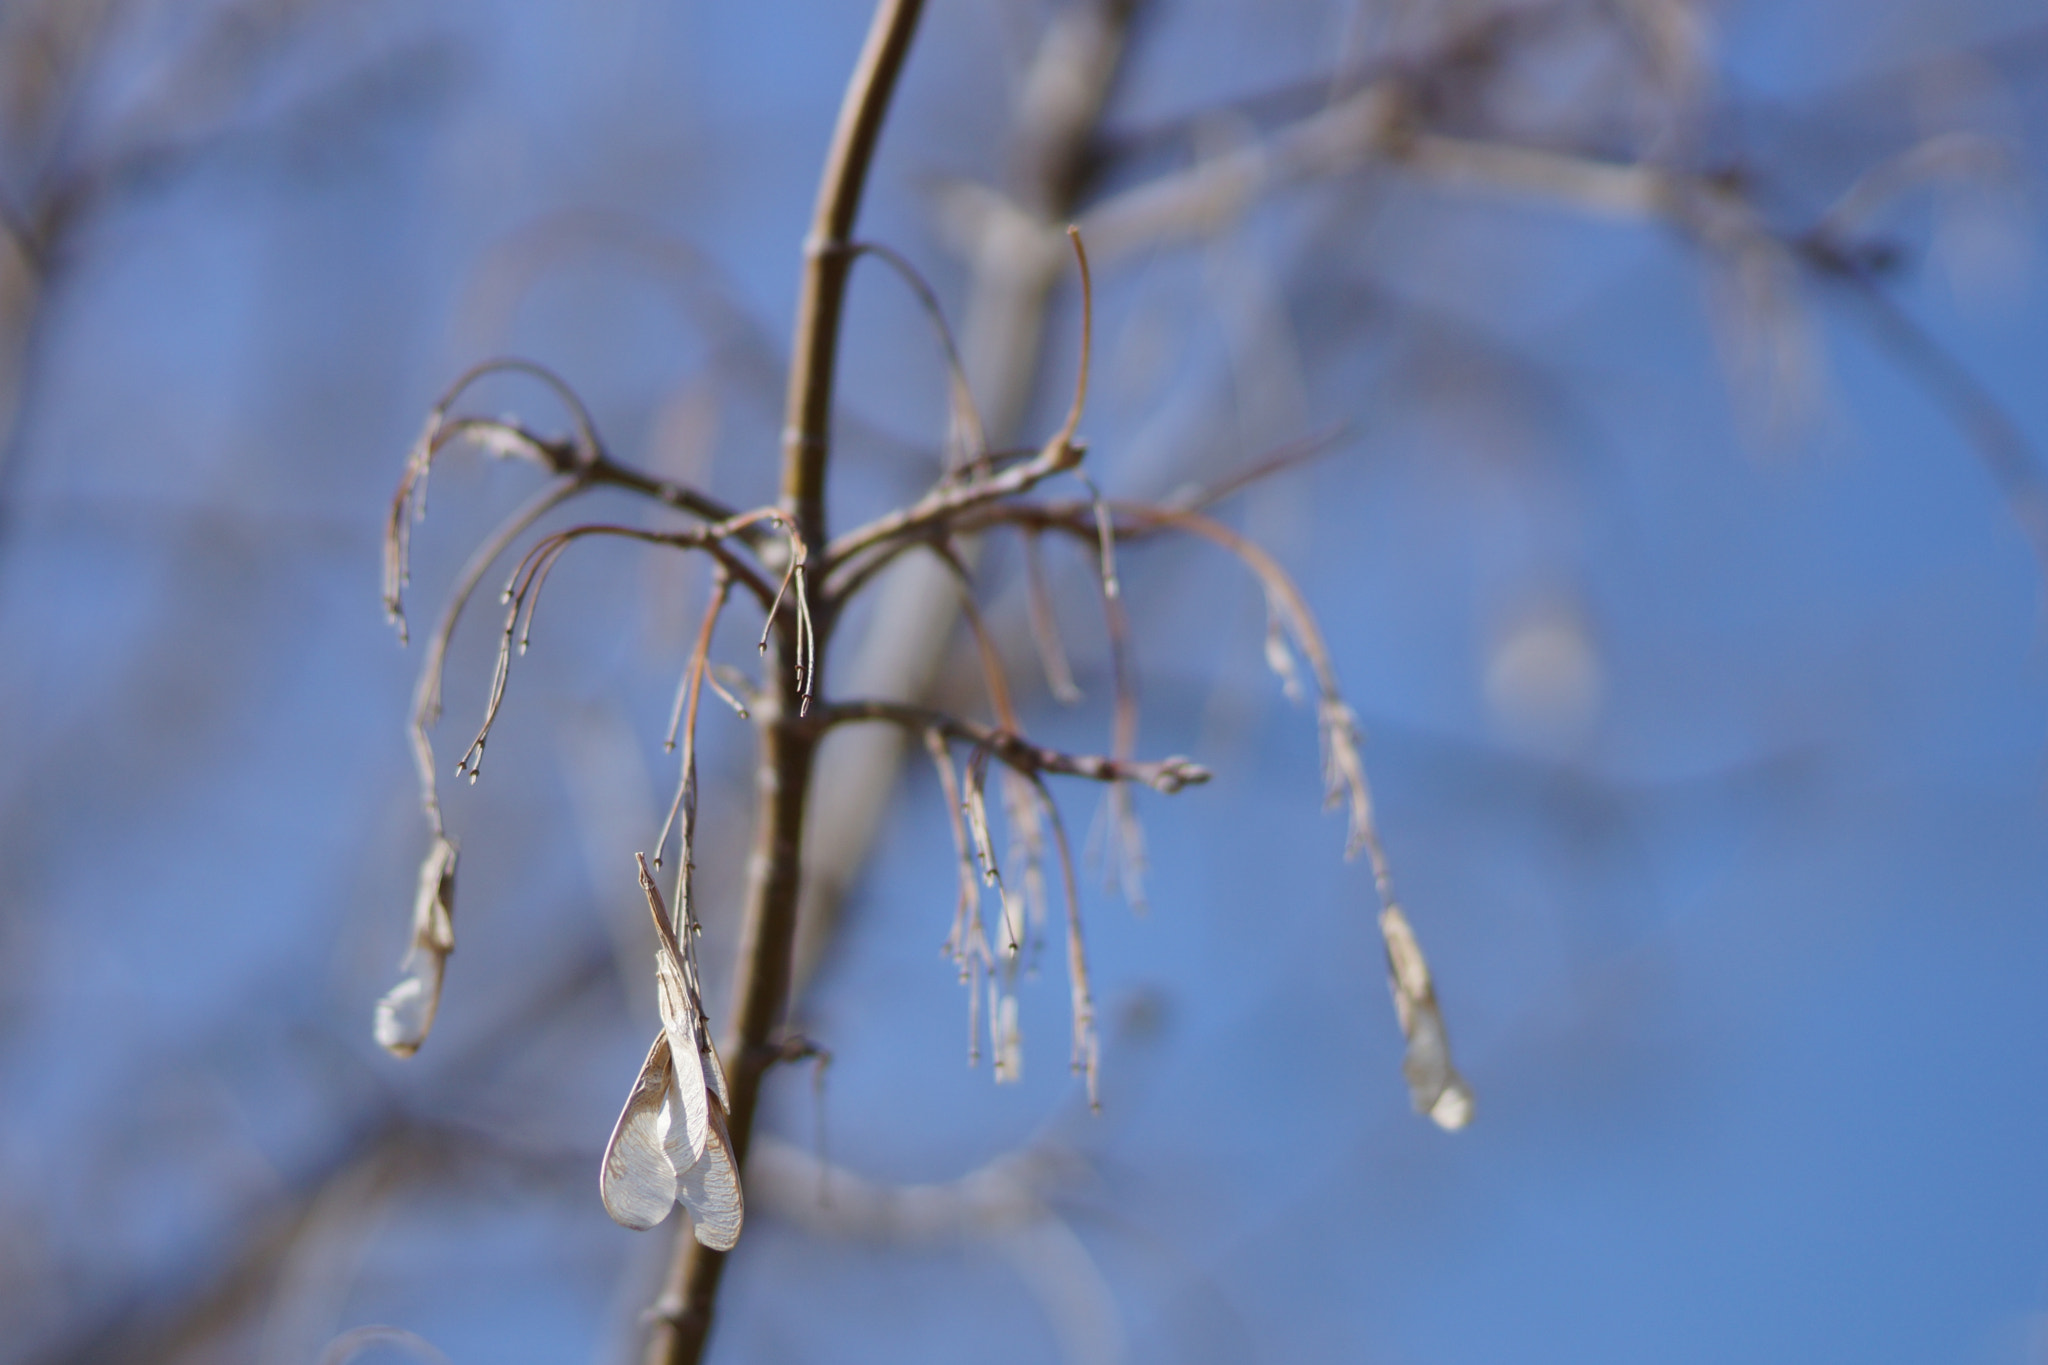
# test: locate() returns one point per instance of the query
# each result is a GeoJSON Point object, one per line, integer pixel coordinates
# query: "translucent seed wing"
{"type": "Point", "coordinates": [710, 1190]}
{"type": "Point", "coordinates": [682, 1026]}
{"type": "Point", "coordinates": [715, 1072]}
{"type": "Point", "coordinates": [1434, 1085]}
{"type": "Point", "coordinates": [682, 1023]}
{"type": "Point", "coordinates": [638, 1177]}
{"type": "Point", "coordinates": [406, 1012]}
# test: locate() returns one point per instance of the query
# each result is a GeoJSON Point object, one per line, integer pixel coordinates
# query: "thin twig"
{"type": "Point", "coordinates": [522, 594]}
{"type": "Point", "coordinates": [1087, 1058]}
{"type": "Point", "coordinates": [966, 426]}
{"type": "Point", "coordinates": [1045, 626]}
{"type": "Point", "coordinates": [1344, 770]}
{"type": "Point", "coordinates": [950, 499]}
{"type": "Point", "coordinates": [1166, 775]}
{"type": "Point", "coordinates": [1126, 839]}
{"type": "Point", "coordinates": [426, 697]}
{"type": "Point", "coordinates": [687, 693]}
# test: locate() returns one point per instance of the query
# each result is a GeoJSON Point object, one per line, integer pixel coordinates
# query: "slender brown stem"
{"type": "Point", "coordinates": [683, 1316]}
{"type": "Point", "coordinates": [828, 261]}
{"type": "Point", "coordinates": [1166, 775]}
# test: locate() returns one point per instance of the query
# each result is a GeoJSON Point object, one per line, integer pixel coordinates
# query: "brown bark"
{"type": "Point", "coordinates": [683, 1316]}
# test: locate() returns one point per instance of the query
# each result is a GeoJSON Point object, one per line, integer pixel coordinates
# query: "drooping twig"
{"type": "Point", "coordinates": [687, 693]}
{"type": "Point", "coordinates": [1045, 626]}
{"type": "Point", "coordinates": [1125, 837]}
{"type": "Point", "coordinates": [1006, 1051]}
{"type": "Point", "coordinates": [409, 503]}
{"type": "Point", "coordinates": [966, 942]}
{"type": "Point", "coordinates": [1087, 1057]}
{"type": "Point", "coordinates": [583, 458]}
{"type": "Point", "coordinates": [951, 498]}
{"type": "Point", "coordinates": [1435, 1086]}
{"type": "Point", "coordinates": [967, 439]}
{"type": "Point", "coordinates": [1344, 771]}
{"type": "Point", "coordinates": [522, 594]}
{"type": "Point", "coordinates": [426, 704]}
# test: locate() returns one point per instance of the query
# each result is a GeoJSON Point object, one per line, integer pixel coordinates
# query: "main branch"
{"type": "Point", "coordinates": [828, 261]}
{"type": "Point", "coordinates": [682, 1318]}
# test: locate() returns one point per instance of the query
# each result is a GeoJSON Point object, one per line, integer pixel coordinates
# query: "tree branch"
{"type": "Point", "coordinates": [1059, 107]}
{"type": "Point", "coordinates": [1166, 775]}
{"type": "Point", "coordinates": [683, 1315]}
{"type": "Point", "coordinates": [828, 262]}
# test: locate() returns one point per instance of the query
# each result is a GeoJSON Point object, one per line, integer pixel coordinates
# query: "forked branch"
{"type": "Point", "coordinates": [945, 504]}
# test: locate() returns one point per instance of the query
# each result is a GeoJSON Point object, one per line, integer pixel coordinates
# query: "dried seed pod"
{"type": "Point", "coordinates": [670, 1144]}
{"type": "Point", "coordinates": [710, 1189]}
{"type": "Point", "coordinates": [637, 1180]}
{"type": "Point", "coordinates": [406, 1012]}
{"type": "Point", "coordinates": [682, 1021]}
{"type": "Point", "coordinates": [1433, 1083]}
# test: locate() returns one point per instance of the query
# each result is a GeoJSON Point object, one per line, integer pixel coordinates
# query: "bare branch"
{"type": "Point", "coordinates": [1053, 154]}
{"type": "Point", "coordinates": [522, 593]}
{"type": "Point", "coordinates": [1166, 775]}
{"type": "Point", "coordinates": [683, 1314]}
{"type": "Point", "coordinates": [426, 704]}
{"type": "Point", "coordinates": [948, 500]}
{"type": "Point", "coordinates": [584, 460]}
{"type": "Point", "coordinates": [828, 259]}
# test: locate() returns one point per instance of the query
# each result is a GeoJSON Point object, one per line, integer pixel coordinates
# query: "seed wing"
{"type": "Point", "coordinates": [683, 1027]}
{"type": "Point", "coordinates": [638, 1178]}
{"type": "Point", "coordinates": [407, 1010]}
{"type": "Point", "coordinates": [714, 1071]}
{"type": "Point", "coordinates": [710, 1190]}
{"type": "Point", "coordinates": [1433, 1083]}
{"type": "Point", "coordinates": [682, 1022]}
